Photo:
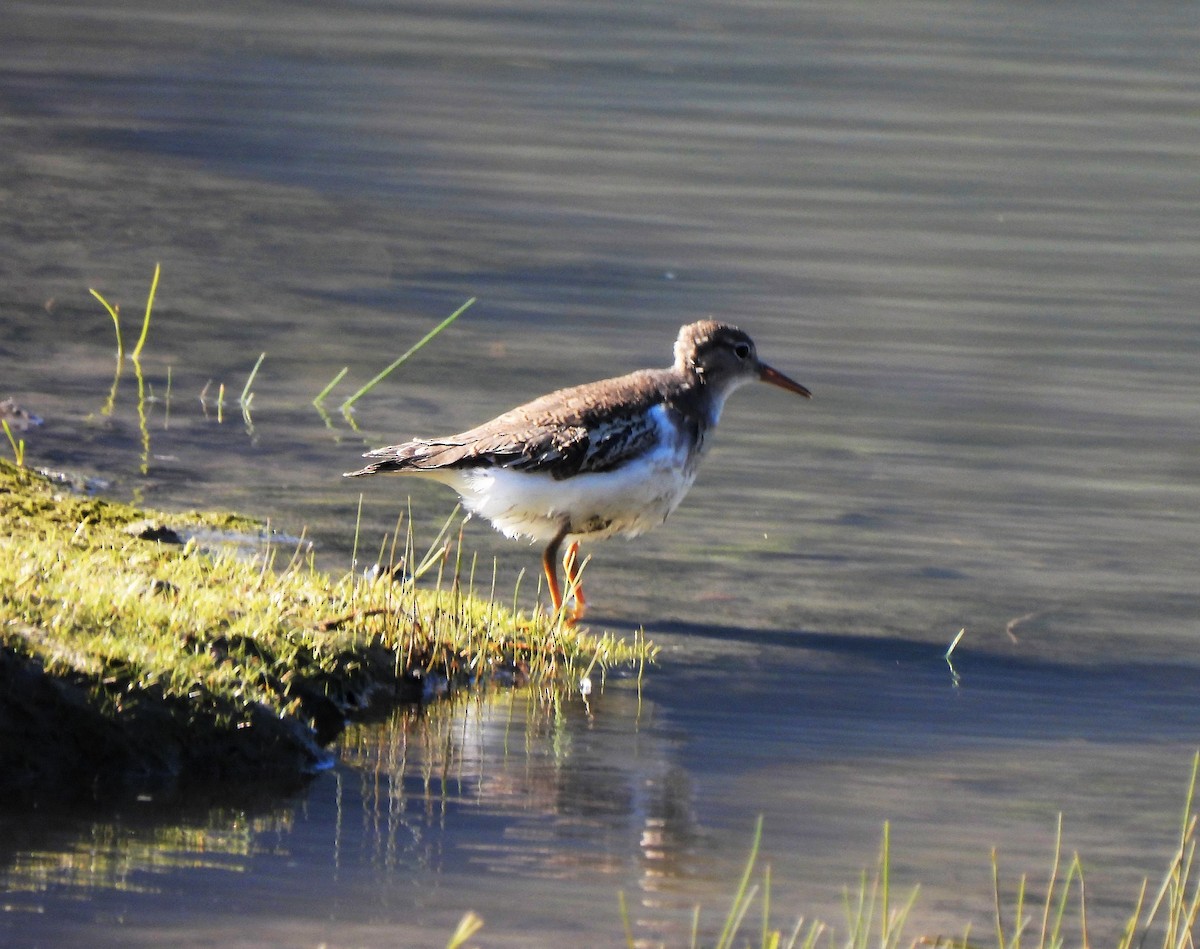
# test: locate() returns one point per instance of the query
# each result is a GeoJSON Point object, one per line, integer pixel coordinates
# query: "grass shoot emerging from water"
{"type": "Point", "coordinates": [1051, 920]}
{"type": "Point", "coordinates": [18, 445]}
{"type": "Point", "coordinates": [141, 609]}
{"type": "Point", "coordinates": [872, 918]}
{"type": "Point", "coordinates": [115, 313]}
{"type": "Point", "coordinates": [395, 364]}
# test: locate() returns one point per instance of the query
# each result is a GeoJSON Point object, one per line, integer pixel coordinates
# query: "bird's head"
{"type": "Point", "coordinates": [723, 357]}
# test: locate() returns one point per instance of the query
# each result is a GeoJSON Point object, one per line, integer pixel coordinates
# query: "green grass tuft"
{"type": "Point", "coordinates": [18, 445]}
{"type": "Point", "coordinates": [145, 611]}
{"type": "Point", "coordinates": [1057, 918]}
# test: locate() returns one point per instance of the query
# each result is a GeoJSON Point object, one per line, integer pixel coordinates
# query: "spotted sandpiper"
{"type": "Point", "coordinates": [597, 460]}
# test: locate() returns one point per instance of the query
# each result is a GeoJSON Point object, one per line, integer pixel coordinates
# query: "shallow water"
{"type": "Point", "coordinates": [969, 228]}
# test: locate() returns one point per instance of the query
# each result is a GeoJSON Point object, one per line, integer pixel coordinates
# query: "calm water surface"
{"type": "Point", "coordinates": [970, 228]}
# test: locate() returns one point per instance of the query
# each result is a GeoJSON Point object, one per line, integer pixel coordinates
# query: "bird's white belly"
{"type": "Point", "coordinates": [628, 500]}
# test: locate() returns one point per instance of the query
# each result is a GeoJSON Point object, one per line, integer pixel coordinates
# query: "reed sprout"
{"type": "Point", "coordinates": [1057, 917]}
{"type": "Point", "coordinates": [18, 445]}
{"type": "Point", "coordinates": [399, 361]}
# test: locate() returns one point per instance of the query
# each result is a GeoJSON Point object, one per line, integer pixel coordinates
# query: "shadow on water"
{"type": "Point", "coordinates": [864, 694]}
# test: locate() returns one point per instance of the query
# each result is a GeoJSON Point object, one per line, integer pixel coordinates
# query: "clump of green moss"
{"type": "Point", "coordinates": [131, 653]}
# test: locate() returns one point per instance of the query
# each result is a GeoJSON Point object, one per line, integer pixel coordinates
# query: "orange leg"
{"type": "Point", "coordinates": [574, 582]}
{"type": "Point", "coordinates": [550, 567]}
{"type": "Point", "coordinates": [571, 564]}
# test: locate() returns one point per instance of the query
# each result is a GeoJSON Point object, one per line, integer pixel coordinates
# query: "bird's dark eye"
{"type": "Point", "coordinates": [741, 350]}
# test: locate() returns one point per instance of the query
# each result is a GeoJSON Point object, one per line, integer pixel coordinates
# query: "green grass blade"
{"type": "Point", "coordinates": [137, 350]}
{"type": "Point", "coordinates": [626, 926]}
{"type": "Point", "coordinates": [468, 926]}
{"type": "Point", "coordinates": [1188, 804]}
{"type": "Point", "coordinates": [17, 447]}
{"type": "Point", "coordinates": [1131, 925]}
{"type": "Point", "coordinates": [244, 398]}
{"type": "Point", "coordinates": [769, 940]}
{"type": "Point", "coordinates": [885, 874]}
{"type": "Point", "coordinates": [407, 355]}
{"type": "Point", "coordinates": [329, 388]}
{"type": "Point", "coordinates": [1001, 942]}
{"type": "Point", "coordinates": [740, 899]}
{"type": "Point", "coordinates": [436, 553]}
{"type": "Point", "coordinates": [1050, 886]}
{"type": "Point", "coordinates": [115, 313]}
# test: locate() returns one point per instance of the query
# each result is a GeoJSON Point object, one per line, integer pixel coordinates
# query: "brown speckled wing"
{"type": "Point", "coordinates": [589, 428]}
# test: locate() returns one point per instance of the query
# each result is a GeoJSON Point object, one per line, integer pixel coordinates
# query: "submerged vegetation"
{"type": "Point", "coordinates": [137, 647]}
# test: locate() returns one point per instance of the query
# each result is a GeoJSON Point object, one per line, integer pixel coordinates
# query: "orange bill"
{"type": "Point", "coordinates": [776, 378]}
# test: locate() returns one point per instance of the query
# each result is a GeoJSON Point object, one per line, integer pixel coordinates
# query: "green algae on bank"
{"type": "Point", "coordinates": [133, 658]}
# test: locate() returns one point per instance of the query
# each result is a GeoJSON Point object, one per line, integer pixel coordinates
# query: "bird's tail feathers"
{"type": "Point", "coordinates": [417, 457]}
